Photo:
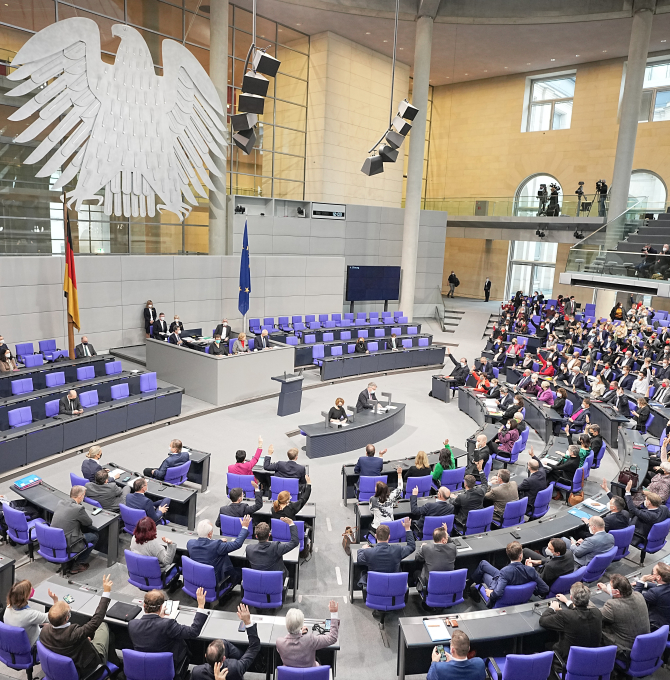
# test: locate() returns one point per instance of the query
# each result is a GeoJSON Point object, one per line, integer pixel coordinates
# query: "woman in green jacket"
{"type": "Point", "coordinates": [445, 462]}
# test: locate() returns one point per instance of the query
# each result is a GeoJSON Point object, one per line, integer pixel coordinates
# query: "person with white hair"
{"type": "Point", "coordinates": [660, 476]}
{"type": "Point", "coordinates": [207, 550]}
{"type": "Point", "coordinates": [298, 648]}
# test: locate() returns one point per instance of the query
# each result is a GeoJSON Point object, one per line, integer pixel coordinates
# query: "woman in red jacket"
{"type": "Point", "coordinates": [482, 381]}
{"type": "Point", "coordinates": [547, 368]}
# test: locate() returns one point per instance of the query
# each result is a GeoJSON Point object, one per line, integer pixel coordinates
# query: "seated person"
{"type": "Point", "coordinates": [20, 615]}
{"type": "Point", "coordinates": [236, 507]}
{"type": "Point", "coordinates": [456, 665]}
{"type": "Point", "coordinates": [657, 478]}
{"type": "Point", "coordinates": [494, 389]}
{"type": "Point", "coordinates": [535, 482]}
{"type": "Point", "coordinates": [438, 508]}
{"type": "Point", "coordinates": [564, 470]}
{"type": "Point", "coordinates": [244, 467]}
{"type": "Point", "coordinates": [263, 340]}
{"type": "Point", "coordinates": [618, 517]}
{"type": "Point", "coordinates": [108, 494]}
{"type": "Point", "coordinates": [381, 504]}
{"type": "Point", "coordinates": [507, 436]}
{"type": "Point", "coordinates": [7, 362]}
{"type": "Point", "coordinates": [175, 457]}
{"type": "Point", "coordinates": [578, 421]}
{"type": "Point", "coordinates": [206, 550]}
{"type": "Point", "coordinates": [421, 467]}
{"type": "Point", "coordinates": [369, 465]}
{"type": "Point", "coordinates": [654, 587]}
{"type": "Point", "coordinates": [159, 329]}
{"type": "Point", "coordinates": [69, 404]}
{"type": "Point", "coordinates": [145, 541]}
{"type": "Point", "coordinates": [175, 337]}
{"type": "Point", "coordinates": [482, 381]}
{"type": "Point", "coordinates": [267, 555]}
{"type": "Point", "coordinates": [440, 555]}
{"type": "Point", "coordinates": [84, 349]}
{"type": "Point", "coordinates": [283, 507]}
{"type": "Point", "coordinates": [599, 542]}
{"type": "Point", "coordinates": [70, 515]}
{"type": "Point", "coordinates": [516, 573]}
{"type": "Point", "coordinates": [559, 402]}
{"type": "Point", "coordinates": [298, 648]}
{"type": "Point", "coordinates": [90, 465]}
{"type": "Point", "coordinates": [501, 494]}
{"type": "Point", "coordinates": [241, 345]}
{"type": "Point", "coordinates": [287, 469]}
{"type": "Point", "coordinates": [217, 347]}
{"type": "Point", "coordinates": [225, 656]}
{"type": "Point", "coordinates": [640, 415]}
{"type": "Point", "coordinates": [472, 498]}
{"type": "Point", "coordinates": [361, 347]}
{"type": "Point", "coordinates": [154, 509]}
{"type": "Point", "coordinates": [337, 414]}
{"type": "Point", "coordinates": [512, 410]}
{"type": "Point", "coordinates": [224, 330]}
{"type": "Point", "coordinates": [557, 560]}
{"type": "Point", "coordinates": [644, 516]}
{"type": "Point", "coordinates": [366, 398]}
{"type": "Point", "coordinates": [546, 395]}
{"type": "Point", "coordinates": [176, 323]}
{"type": "Point", "coordinates": [445, 461]}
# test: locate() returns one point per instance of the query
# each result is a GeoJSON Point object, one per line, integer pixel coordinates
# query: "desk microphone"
{"type": "Point", "coordinates": [82, 585]}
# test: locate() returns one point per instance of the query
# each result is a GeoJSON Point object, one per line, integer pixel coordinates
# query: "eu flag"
{"type": "Point", "coordinates": [245, 275]}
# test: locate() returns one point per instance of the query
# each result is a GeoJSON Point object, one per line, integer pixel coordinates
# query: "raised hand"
{"type": "Point", "coordinates": [415, 491]}
{"type": "Point", "coordinates": [201, 593]}
{"type": "Point", "coordinates": [244, 615]}
{"type": "Point", "coordinates": [332, 606]}
{"type": "Point", "coordinates": [271, 449]}
{"type": "Point", "coordinates": [406, 522]}
{"type": "Point", "coordinates": [287, 520]}
{"type": "Point", "coordinates": [246, 521]}
{"type": "Point", "coordinates": [107, 583]}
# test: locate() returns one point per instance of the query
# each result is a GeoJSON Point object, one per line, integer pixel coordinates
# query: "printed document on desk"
{"type": "Point", "coordinates": [437, 630]}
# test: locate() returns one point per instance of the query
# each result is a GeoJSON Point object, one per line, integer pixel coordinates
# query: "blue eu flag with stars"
{"type": "Point", "coordinates": [245, 275]}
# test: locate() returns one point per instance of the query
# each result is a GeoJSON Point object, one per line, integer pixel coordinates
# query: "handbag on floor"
{"type": "Point", "coordinates": [348, 538]}
{"type": "Point", "coordinates": [576, 498]}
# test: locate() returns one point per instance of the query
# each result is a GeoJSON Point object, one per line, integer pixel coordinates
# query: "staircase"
{"type": "Point", "coordinates": [493, 319]}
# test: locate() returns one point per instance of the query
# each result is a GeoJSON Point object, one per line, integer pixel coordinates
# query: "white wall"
{"type": "Point", "coordinates": [113, 290]}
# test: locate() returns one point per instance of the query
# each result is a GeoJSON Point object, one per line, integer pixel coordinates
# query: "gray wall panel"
{"type": "Point", "coordinates": [290, 245]}
{"type": "Point", "coordinates": [324, 266]}
{"type": "Point", "coordinates": [202, 267]}
{"type": "Point", "coordinates": [18, 328]}
{"type": "Point", "coordinates": [93, 268]}
{"type": "Point", "coordinates": [98, 319]}
{"type": "Point", "coordinates": [197, 289]}
{"type": "Point", "coordinates": [326, 246]}
{"type": "Point", "coordinates": [147, 268]}
{"type": "Point", "coordinates": [30, 271]}
{"type": "Point", "coordinates": [137, 292]}
{"type": "Point", "coordinates": [98, 294]}
{"type": "Point", "coordinates": [47, 298]}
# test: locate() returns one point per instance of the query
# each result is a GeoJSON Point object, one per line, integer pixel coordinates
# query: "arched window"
{"type": "Point", "coordinates": [526, 201]}
{"type": "Point", "coordinates": [647, 185]}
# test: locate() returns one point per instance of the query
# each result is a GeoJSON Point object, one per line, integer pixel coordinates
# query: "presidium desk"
{"type": "Point", "coordinates": [220, 380]}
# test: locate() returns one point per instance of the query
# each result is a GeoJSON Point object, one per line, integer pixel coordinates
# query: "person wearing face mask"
{"type": "Point", "coordinates": [174, 338]}
{"type": "Point", "coordinates": [85, 349]}
{"type": "Point", "coordinates": [160, 327]}
{"type": "Point", "coordinates": [663, 373]}
{"type": "Point", "coordinates": [366, 398]}
{"type": "Point", "coordinates": [565, 469]}
{"type": "Point", "coordinates": [640, 415]}
{"type": "Point", "coordinates": [3, 346]}
{"type": "Point", "coordinates": [217, 347]}
{"type": "Point", "coordinates": [578, 421]}
{"type": "Point", "coordinates": [655, 588]}
{"type": "Point", "coordinates": [361, 347]}
{"type": "Point", "coordinates": [224, 330]}
{"type": "Point", "coordinates": [461, 371]}
{"type": "Point", "coordinates": [504, 441]}
{"type": "Point", "coordinates": [652, 511]}
{"type": "Point", "coordinates": [577, 379]}
{"type": "Point", "coordinates": [599, 542]}
{"type": "Point", "coordinates": [20, 615]}
{"type": "Point", "coordinates": [7, 363]}
{"type": "Point", "coordinates": [149, 316]}
{"type": "Point", "coordinates": [511, 411]}
{"type": "Point", "coordinates": [176, 324]}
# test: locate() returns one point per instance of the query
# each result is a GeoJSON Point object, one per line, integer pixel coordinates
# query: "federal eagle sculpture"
{"type": "Point", "coordinates": [124, 130]}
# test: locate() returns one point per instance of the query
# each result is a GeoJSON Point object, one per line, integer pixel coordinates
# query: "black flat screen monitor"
{"type": "Point", "coordinates": [372, 283]}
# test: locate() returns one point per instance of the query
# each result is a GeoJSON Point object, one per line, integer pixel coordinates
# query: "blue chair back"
{"type": "Point", "coordinates": [577, 482]}
{"type": "Point", "coordinates": [282, 531]}
{"type": "Point", "coordinates": [585, 663]}
{"type": "Point", "coordinates": [345, 335]}
{"type": "Point", "coordinates": [291, 340]}
{"type": "Point", "coordinates": [23, 349]}
{"type": "Point", "coordinates": [77, 480]}
{"type": "Point", "coordinates": [15, 650]}
{"type": "Point", "coordinates": [148, 666]}
{"type": "Point", "coordinates": [406, 343]}
{"type": "Point", "coordinates": [89, 399]}
{"type": "Point", "coordinates": [526, 666]}
{"type": "Point", "coordinates": [599, 456]}
{"type": "Point", "coordinates": [309, 339]}
{"type": "Point", "coordinates": [20, 416]}
{"type": "Point", "coordinates": [524, 436]}
{"type": "Point", "coordinates": [278, 484]}
{"type": "Point", "coordinates": [397, 530]}
{"type": "Point", "coordinates": [422, 483]}
{"type": "Point", "coordinates": [296, 319]}
{"type": "Point", "coordinates": [57, 667]}
{"type": "Point", "coordinates": [386, 592]}
{"type": "Point", "coordinates": [328, 337]}
{"type": "Point", "coordinates": [445, 588]}
{"type": "Point", "coordinates": [453, 479]}
{"type": "Point", "coordinates": [148, 382]}
{"type": "Point", "coordinates": [622, 539]}
{"type": "Point", "coordinates": [657, 536]}
{"type": "Point", "coordinates": [231, 526]}
{"type": "Point", "coordinates": [379, 333]}
{"type": "Point", "coordinates": [113, 368]}
{"type": "Point", "coordinates": [424, 342]}
{"type": "Point", "coordinates": [486, 470]}
{"type": "Point", "coordinates": [55, 379]}
{"type": "Point", "coordinates": [432, 522]}
{"type": "Point", "coordinates": [85, 373]}
{"type": "Point", "coordinates": [18, 528]}
{"type": "Point", "coordinates": [317, 353]}
{"type": "Point", "coordinates": [563, 583]}
{"type": "Point", "coordinates": [373, 346]}
{"type": "Point", "coordinates": [53, 546]}
{"type": "Point", "coordinates": [336, 317]}
{"type": "Point", "coordinates": [366, 487]}
{"type": "Point", "coordinates": [177, 474]}
{"type": "Point", "coordinates": [646, 656]}
{"type": "Point", "coordinates": [516, 595]}
{"type": "Point", "coordinates": [130, 517]}
{"type": "Point", "coordinates": [262, 589]}
{"type": "Point", "coordinates": [121, 391]}
{"type": "Point", "coordinates": [598, 565]}
{"type": "Point", "coordinates": [314, 673]}
{"type": "Point", "coordinates": [515, 513]}
{"type": "Point", "coordinates": [397, 330]}
{"type": "Point", "coordinates": [542, 501]}
{"type": "Point", "coordinates": [479, 520]}
{"type": "Point", "coordinates": [33, 360]}
{"type": "Point", "coordinates": [336, 351]}
{"type": "Point", "coordinates": [309, 318]}
{"type": "Point", "coordinates": [648, 423]}
{"type": "Point", "coordinates": [22, 386]}
{"type": "Point", "coordinates": [92, 502]}
{"type": "Point", "coordinates": [240, 482]}
{"type": "Point", "coordinates": [144, 571]}
{"type": "Point", "coordinates": [197, 575]}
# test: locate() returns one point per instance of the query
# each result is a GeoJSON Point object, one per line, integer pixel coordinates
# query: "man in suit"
{"type": "Point", "coordinates": [154, 632]}
{"type": "Point", "coordinates": [174, 338]}
{"type": "Point", "coordinates": [440, 555]}
{"type": "Point", "coordinates": [470, 499]}
{"type": "Point", "coordinates": [84, 349]}
{"type": "Point", "coordinates": [644, 516]}
{"type": "Point", "coordinates": [160, 327]}
{"type": "Point", "coordinates": [86, 645]}
{"type": "Point", "coordinates": [154, 509]}
{"type": "Point", "coordinates": [577, 625]}
{"type": "Point", "coordinates": [461, 371]}
{"type": "Point", "coordinates": [456, 664]}
{"type": "Point", "coordinates": [486, 368]}
{"type": "Point", "coordinates": [625, 616]}
{"type": "Point", "coordinates": [617, 518]}
{"type": "Point", "coordinates": [236, 508]}
{"type": "Point", "coordinates": [108, 495]}
{"type": "Point", "coordinates": [222, 654]}
{"type": "Point", "coordinates": [579, 419]}
{"type": "Point", "coordinates": [557, 560]}
{"type": "Point", "coordinates": [224, 330]}
{"type": "Point", "coordinates": [175, 457]}
{"type": "Point", "coordinates": [384, 556]}
{"type": "Point", "coordinates": [627, 379]}
{"type": "Point", "coordinates": [267, 555]}
{"type": "Point", "coordinates": [525, 380]}
{"type": "Point", "coordinates": [217, 347]}
{"type": "Point", "coordinates": [655, 589]}
{"type": "Point", "coordinates": [440, 507]}
{"type": "Point", "coordinates": [664, 371]}
{"type": "Point", "coordinates": [576, 379]}
{"type": "Point", "coordinates": [620, 402]}
{"type": "Point", "coordinates": [394, 343]}
{"type": "Point", "coordinates": [516, 573]}
{"type": "Point", "coordinates": [662, 394]}
{"type": "Point", "coordinates": [366, 397]}
{"type": "Point", "coordinates": [487, 289]}
{"type": "Point", "coordinates": [176, 324]}
{"type": "Point", "coordinates": [599, 542]}
{"type": "Point", "coordinates": [206, 550]}
{"type": "Point", "coordinates": [535, 482]}
{"type": "Point", "coordinates": [69, 404]}
{"type": "Point", "coordinates": [570, 306]}
{"type": "Point", "coordinates": [287, 469]}
{"type": "Point", "coordinates": [262, 341]}
{"type": "Point", "coordinates": [368, 465]}
{"type": "Point", "coordinates": [71, 516]}
{"type": "Point", "coordinates": [499, 496]}
{"type": "Point", "coordinates": [506, 398]}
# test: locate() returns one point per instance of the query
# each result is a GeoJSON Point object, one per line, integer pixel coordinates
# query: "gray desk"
{"type": "Point", "coordinates": [220, 380]}
{"type": "Point", "coordinates": [441, 388]}
{"type": "Point", "coordinates": [609, 420]}
{"type": "Point", "coordinates": [290, 396]}
{"type": "Point", "coordinates": [7, 570]}
{"type": "Point", "coordinates": [470, 403]}
{"type": "Point", "coordinates": [541, 417]}
{"type": "Point", "coordinates": [45, 498]}
{"type": "Point", "coordinates": [377, 362]}
{"type": "Point", "coordinates": [198, 473]}
{"type": "Point", "coordinates": [325, 440]}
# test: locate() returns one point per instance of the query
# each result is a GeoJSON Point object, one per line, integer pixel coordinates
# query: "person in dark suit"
{"type": "Point", "coordinates": [578, 625]}
{"type": "Point", "coordinates": [87, 645]}
{"type": "Point", "coordinates": [154, 632]}
{"type": "Point", "coordinates": [160, 328]}
{"type": "Point", "coordinates": [627, 379]}
{"type": "Point", "coordinates": [224, 330]}
{"type": "Point", "coordinates": [366, 397]}
{"type": "Point", "coordinates": [440, 555]}
{"type": "Point", "coordinates": [222, 654]}
{"type": "Point", "coordinates": [440, 507]}
{"type": "Point", "coordinates": [578, 421]}
{"type": "Point", "coordinates": [384, 556]}
{"type": "Point", "coordinates": [236, 508]}
{"type": "Point", "coordinates": [108, 495]}
{"type": "Point", "coordinates": [369, 465]}
{"type": "Point", "coordinates": [565, 470]}
{"type": "Point", "coordinates": [267, 555]}
{"type": "Point", "coordinates": [557, 561]}
{"type": "Point", "coordinates": [217, 347]}
{"type": "Point", "coordinates": [69, 404]}
{"type": "Point", "coordinates": [174, 337]}
{"type": "Point", "coordinates": [470, 499]}
{"type": "Point", "coordinates": [361, 346]}
{"type": "Point", "coordinates": [620, 402]}
{"type": "Point", "coordinates": [655, 589]}
{"type": "Point", "coordinates": [663, 373]}
{"type": "Point", "coordinates": [662, 394]}
{"type": "Point", "coordinates": [287, 469]}
{"type": "Point", "coordinates": [175, 457]}
{"type": "Point", "coordinates": [176, 324]}
{"type": "Point", "coordinates": [617, 518]}
{"type": "Point", "coordinates": [644, 516]}
{"type": "Point", "coordinates": [71, 516]}
{"type": "Point", "coordinates": [394, 343]}
{"type": "Point", "coordinates": [535, 482]}
{"type": "Point", "coordinates": [461, 371]}
{"type": "Point", "coordinates": [576, 380]}
{"type": "Point", "coordinates": [84, 349]}
{"type": "Point", "coordinates": [641, 414]}
{"type": "Point", "coordinates": [154, 509]}
{"type": "Point", "coordinates": [149, 316]}
{"type": "Point", "coordinates": [90, 465]}
{"type": "Point", "coordinates": [487, 289]}
{"type": "Point", "coordinates": [206, 550]}
{"type": "Point", "coordinates": [263, 340]}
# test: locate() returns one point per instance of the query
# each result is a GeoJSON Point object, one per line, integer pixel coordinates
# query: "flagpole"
{"type": "Point", "coordinates": [70, 322]}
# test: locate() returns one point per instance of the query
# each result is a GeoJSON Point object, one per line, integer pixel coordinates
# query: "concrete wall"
{"type": "Point", "coordinates": [473, 260]}
{"type": "Point", "coordinates": [113, 291]}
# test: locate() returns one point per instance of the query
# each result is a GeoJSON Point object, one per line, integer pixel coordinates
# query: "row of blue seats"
{"type": "Point", "coordinates": [48, 350]}
{"type": "Point", "coordinates": [318, 349]}
{"type": "Point", "coordinates": [24, 415]}
{"type": "Point", "coordinates": [335, 321]}
{"type": "Point", "coordinates": [56, 379]}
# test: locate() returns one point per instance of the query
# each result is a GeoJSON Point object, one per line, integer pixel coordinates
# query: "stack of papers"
{"type": "Point", "coordinates": [594, 505]}
{"type": "Point", "coordinates": [437, 630]}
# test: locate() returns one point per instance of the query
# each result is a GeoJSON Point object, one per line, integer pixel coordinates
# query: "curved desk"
{"type": "Point", "coordinates": [541, 417]}
{"type": "Point", "coordinates": [368, 427]}
{"type": "Point", "coordinates": [470, 403]}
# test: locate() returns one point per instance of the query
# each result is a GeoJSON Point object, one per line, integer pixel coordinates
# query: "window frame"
{"type": "Point", "coordinates": [531, 81]}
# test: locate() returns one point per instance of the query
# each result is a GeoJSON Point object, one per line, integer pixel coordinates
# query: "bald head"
{"type": "Point", "coordinates": [597, 524]}
{"type": "Point", "coordinates": [443, 493]}
{"type": "Point", "coordinates": [533, 465]}
{"type": "Point", "coordinates": [481, 440]}
{"type": "Point", "coordinates": [59, 613]}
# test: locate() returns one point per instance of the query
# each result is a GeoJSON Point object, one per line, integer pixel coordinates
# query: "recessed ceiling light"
{"type": "Point", "coordinates": [527, 63]}
{"type": "Point", "coordinates": [604, 50]}
{"type": "Point", "coordinates": [664, 41]}
{"type": "Point", "coordinates": [553, 59]}
{"type": "Point", "coordinates": [281, 29]}
{"type": "Point", "coordinates": [402, 48]}
{"type": "Point", "coordinates": [576, 55]}
{"type": "Point", "coordinates": [298, 24]}
{"type": "Point", "coordinates": [506, 67]}
{"type": "Point", "coordinates": [367, 32]}
{"type": "Point", "coordinates": [466, 74]}
{"type": "Point", "coordinates": [485, 71]}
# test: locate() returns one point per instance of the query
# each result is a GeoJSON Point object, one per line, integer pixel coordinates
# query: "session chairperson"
{"type": "Point", "coordinates": [366, 397]}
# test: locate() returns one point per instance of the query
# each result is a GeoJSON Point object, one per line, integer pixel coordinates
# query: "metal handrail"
{"type": "Point", "coordinates": [639, 200]}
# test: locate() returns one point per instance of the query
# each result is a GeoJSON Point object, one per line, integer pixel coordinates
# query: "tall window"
{"type": "Point", "coordinates": [531, 267]}
{"type": "Point", "coordinates": [649, 187]}
{"type": "Point", "coordinates": [527, 202]}
{"type": "Point", "coordinates": [655, 104]}
{"type": "Point", "coordinates": [550, 106]}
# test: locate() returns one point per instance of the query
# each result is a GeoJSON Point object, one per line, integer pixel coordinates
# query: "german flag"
{"type": "Point", "coordinates": [70, 281]}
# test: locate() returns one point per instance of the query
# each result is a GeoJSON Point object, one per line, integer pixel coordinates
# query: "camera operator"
{"type": "Point", "coordinates": [542, 195]}
{"type": "Point", "coordinates": [648, 260]}
{"type": "Point", "coordinates": [553, 209]}
{"type": "Point", "coordinates": [601, 193]}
